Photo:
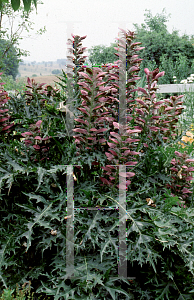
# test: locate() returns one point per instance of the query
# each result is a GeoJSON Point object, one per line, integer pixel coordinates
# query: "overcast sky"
{"type": "Point", "coordinates": [99, 20]}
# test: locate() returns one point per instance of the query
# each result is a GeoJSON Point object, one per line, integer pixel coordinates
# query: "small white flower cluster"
{"type": "Point", "coordinates": [189, 79]}
{"type": "Point", "coordinates": [184, 81]}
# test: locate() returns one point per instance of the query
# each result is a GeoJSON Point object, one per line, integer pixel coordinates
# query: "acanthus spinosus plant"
{"type": "Point", "coordinates": [34, 138]}
{"type": "Point", "coordinates": [4, 116]}
{"type": "Point", "coordinates": [156, 244]}
{"type": "Point", "coordinates": [92, 90]}
{"type": "Point", "coordinates": [147, 117]}
{"type": "Point", "coordinates": [181, 175]}
{"type": "Point", "coordinates": [122, 144]}
{"type": "Point", "coordinates": [39, 91]}
{"type": "Point", "coordinates": [119, 153]}
{"type": "Point", "coordinates": [158, 121]}
{"type": "Point", "coordinates": [155, 116]}
{"type": "Point", "coordinates": [97, 113]}
{"type": "Point", "coordinates": [75, 65]}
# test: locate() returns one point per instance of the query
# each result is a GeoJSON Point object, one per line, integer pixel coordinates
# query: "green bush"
{"type": "Point", "coordinates": [38, 149]}
{"type": "Point", "coordinates": [11, 84]}
{"type": "Point", "coordinates": [56, 72]}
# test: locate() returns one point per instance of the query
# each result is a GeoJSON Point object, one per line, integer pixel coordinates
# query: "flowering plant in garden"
{"type": "Point", "coordinates": [4, 116]}
{"type": "Point", "coordinates": [112, 127]}
{"type": "Point", "coordinates": [38, 91]}
{"type": "Point", "coordinates": [187, 138]}
{"type": "Point", "coordinates": [34, 139]}
{"type": "Point", "coordinates": [181, 174]}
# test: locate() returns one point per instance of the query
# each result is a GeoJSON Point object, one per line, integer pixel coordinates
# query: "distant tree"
{"type": "Point", "coordinates": [161, 46]}
{"type": "Point", "coordinates": [9, 62]}
{"type": "Point", "coordinates": [101, 54]}
{"type": "Point", "coordinates": [56, 71]}
{"type": "Point", "coordinates": [10, 52]}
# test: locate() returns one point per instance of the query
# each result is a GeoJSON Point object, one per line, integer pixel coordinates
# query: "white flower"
{"type": "Point", "coordinates": [174, 76]}
{"type": "Point", "coordinates": [184, 81]}
{"type": "Point", "coordinates": [54, 232]}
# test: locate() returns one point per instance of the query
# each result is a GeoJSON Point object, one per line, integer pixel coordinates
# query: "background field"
{"type": "Point", "coordinates": [48, 79]}
{"type": "Point", "coordinates": [41, 72]}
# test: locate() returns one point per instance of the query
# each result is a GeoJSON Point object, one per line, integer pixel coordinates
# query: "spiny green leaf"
{"type": "Point", "coordinates": [37, 220]}
{"type": "Point", "coordinates": [54, 169]}
{"type": "Point", "coordinates": [112, 290]}
{"type": "Point", "coordinates": [163, 224]}
{"type": "Point", "coordinates": [37, 197]}
{"type": "Point", "coordinates": [7, 176]}
{"type": "Point", "coordinates": [2, 261]}
{"type": "Point", "coordinates": [41, 171]}
{"type": "Point", "coordinates": [110, 240]}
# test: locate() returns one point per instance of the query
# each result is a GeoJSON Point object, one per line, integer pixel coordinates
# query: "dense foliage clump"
{"type": "Point", "coordinates": [118, 143]}
{"type": "Point", "coordinates": [169, 51]}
